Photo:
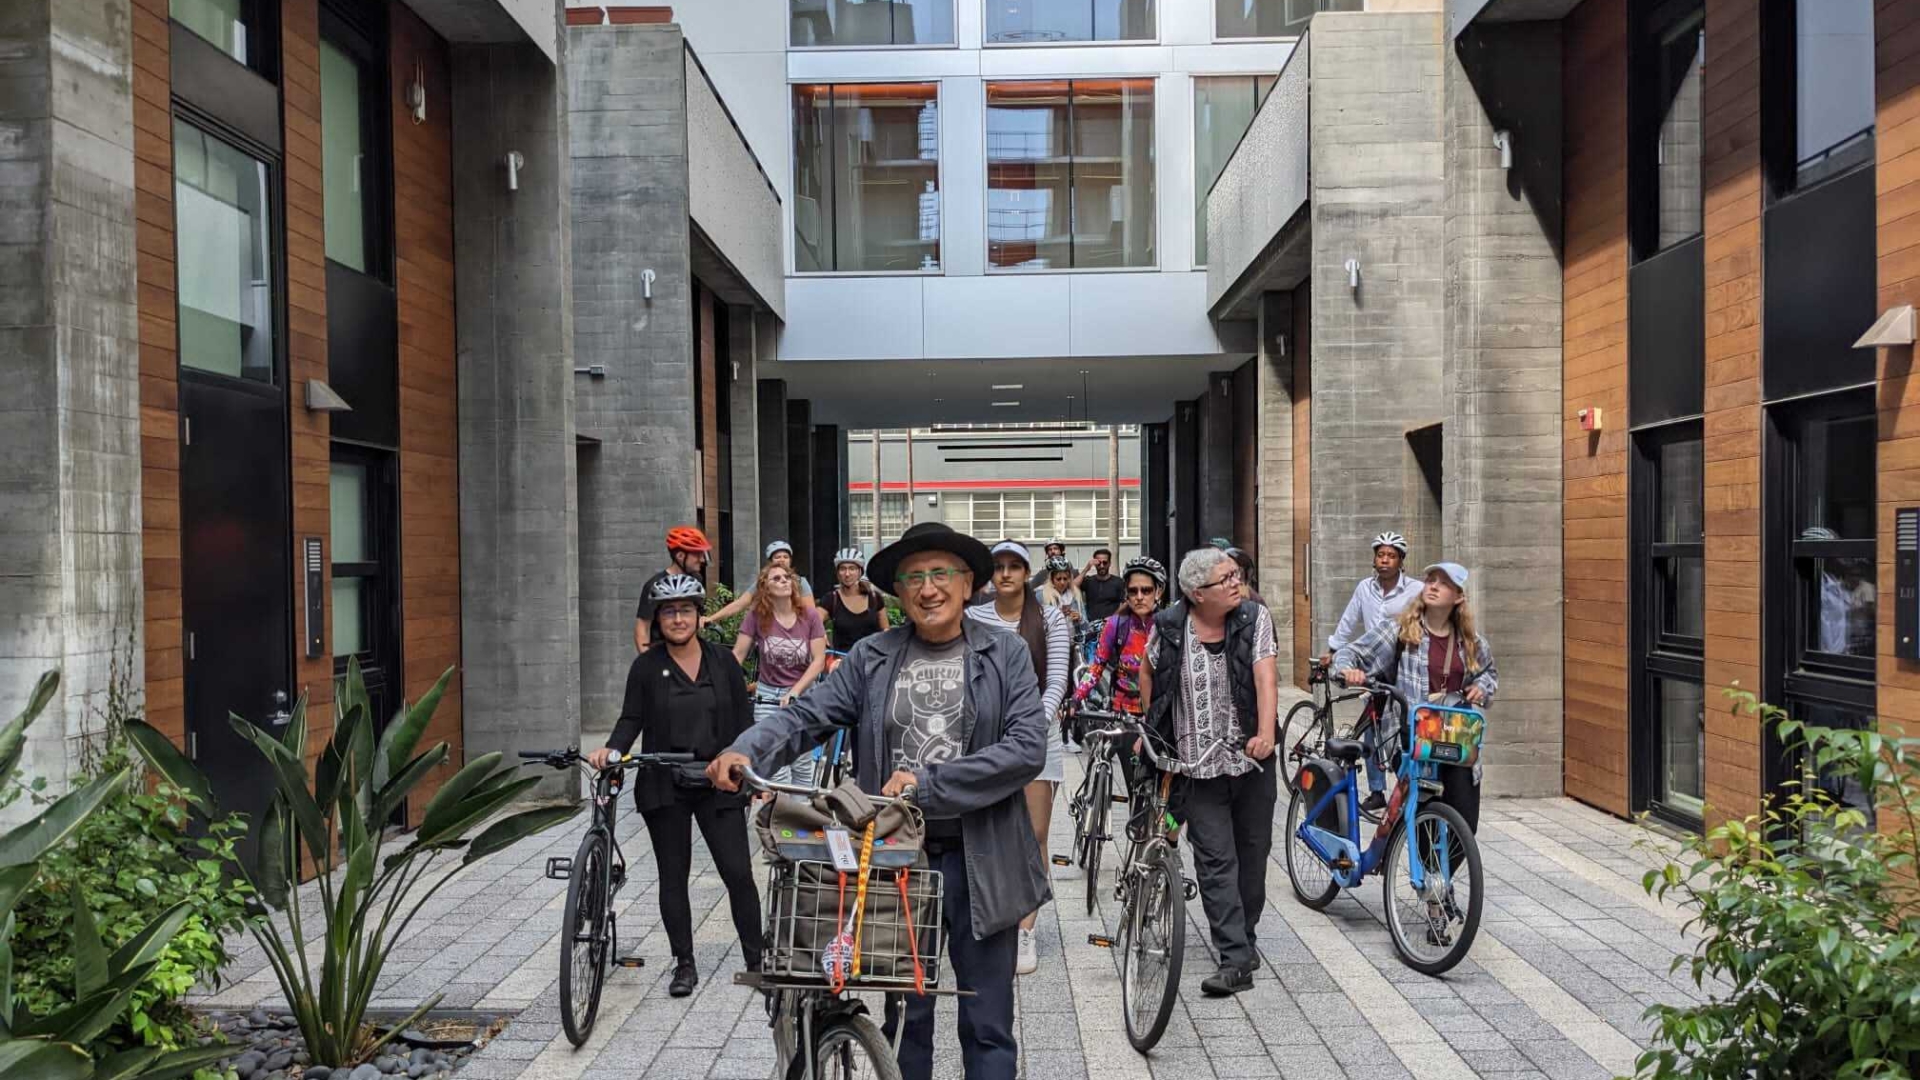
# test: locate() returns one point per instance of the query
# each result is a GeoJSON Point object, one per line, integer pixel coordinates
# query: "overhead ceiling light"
{"type": "Point", "coordinates": [1010, 386]}
{"type": "Point", "coordinates": [1006, 404]}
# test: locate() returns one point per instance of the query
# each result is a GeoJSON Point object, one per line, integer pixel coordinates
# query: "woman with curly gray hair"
{"type": "Point", "coordinates": [1211, 686]}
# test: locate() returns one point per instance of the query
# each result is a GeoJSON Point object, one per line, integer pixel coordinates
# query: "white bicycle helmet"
{"type": "Point", "coordinates": [1148, 565]}
{"type": "Point", "coordinates": [1059, 564]}
{"type": "Point", "coordinates": [677, 587]}
{"type": "Point", "coordinates": [1389, 539]}
{"type": "Point", "coordinates": [850, 555]}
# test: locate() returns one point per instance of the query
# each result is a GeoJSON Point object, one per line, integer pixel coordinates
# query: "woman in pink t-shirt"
{"type": "Point", "coordinates": [785, 630]}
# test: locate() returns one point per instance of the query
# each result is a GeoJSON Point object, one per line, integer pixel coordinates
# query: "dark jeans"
{"type": "Point", "coordinates": [723, 824]}
{"type": "Point", "coordinates": [987, 1046]}
{"type": "Point", "coordinates": [1229, 822]}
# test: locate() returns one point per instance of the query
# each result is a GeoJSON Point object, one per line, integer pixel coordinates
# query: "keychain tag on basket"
{"type": "Point", "coordinates": [840, 845]}
{"type": "Point", "coordinates": [836, 960]}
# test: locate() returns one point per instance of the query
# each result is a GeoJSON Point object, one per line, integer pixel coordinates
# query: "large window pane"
{"type": "Point", "coordinates": [1841, 598]}
{"type": "Point", "coordinates": [345, 157]}
{"type": "Point", "coordinates": [350, 615]}
{"type": "Point", "coordinates": [1223, 107]}
{"type": "Point", "coordinates": [1271, 18]}
{"type": "Point", "coordinates": [1681, 782]}
{"type": "Point", "coordinates": [347, 507]}
{"type": "Point", "coordinates": [1113, 199]}
{"type": "Point", "coordinates": [867, 177]}
{"type": "Point", "coordinates": [818, 23]}
{"type": "Point", "coordinates": [222, 22]}
{"type": "Point", "coordinates": [1682, 59]}
{"type": "Point", "coordinates": [1682, 589]}
{"type": "Point", "coordinates": [223, 244]}
{"type": "Point", "coordinates": [1029, 200]}
{"type": "Point", "coordinates": [1833, 85]}
{"type": "Point", "coordinates": [1013, 22]}
{"type": "Point", "coordinates": [1680, 513]}
{"type": "Point", "coordinates": [1843, 788]}
{"type": "Point", "coordinates": [1836, 478]}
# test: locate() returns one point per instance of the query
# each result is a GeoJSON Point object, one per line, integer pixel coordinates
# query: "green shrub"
{"type": "Point", "coordinates": [1808, 912]}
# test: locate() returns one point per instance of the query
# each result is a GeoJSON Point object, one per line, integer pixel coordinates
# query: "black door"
{"type": "Point", "coordinates": [236, 579]}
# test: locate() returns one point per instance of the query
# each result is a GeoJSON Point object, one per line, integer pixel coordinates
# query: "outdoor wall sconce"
{"type": "Point", "coordinates": [515, 163]}
{"type": "Point", "coordinates": [416, 95]}
{"type": "Point", "coordinates": [1353, 273]}
{"type": "Point", "coordinates": [1503, 142]}
{"type": "Point", "coordinates": [322, 398]}
{"type": "Point", "coordinates": [646, 284]}
{"type": "Point", "coordinates": [1893, 327]}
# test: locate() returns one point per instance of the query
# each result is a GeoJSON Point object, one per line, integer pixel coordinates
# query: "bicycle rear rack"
{"type": "Point", "coordinates": [560, 867]}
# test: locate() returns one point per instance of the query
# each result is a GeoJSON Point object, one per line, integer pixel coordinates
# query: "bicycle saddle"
{"type": "Point", "coordinates": [1347, 750]}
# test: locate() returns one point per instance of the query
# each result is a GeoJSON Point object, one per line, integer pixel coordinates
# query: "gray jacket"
{"type": "Point", "coordinates": [1006, 740]}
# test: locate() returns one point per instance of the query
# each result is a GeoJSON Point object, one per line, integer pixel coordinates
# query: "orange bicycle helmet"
{"type": "Point", "coordinates": [687, 538]}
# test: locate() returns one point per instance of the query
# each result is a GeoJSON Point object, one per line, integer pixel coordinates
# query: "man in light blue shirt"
{"type": "Point", "coordinates": [1381, 596]}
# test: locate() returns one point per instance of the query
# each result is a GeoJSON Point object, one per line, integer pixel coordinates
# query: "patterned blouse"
{"type": "Point", "coordinates": [1123, 644]}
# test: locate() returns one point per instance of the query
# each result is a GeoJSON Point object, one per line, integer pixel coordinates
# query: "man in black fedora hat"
{"type": "Point", "coordinates": [948, 708]}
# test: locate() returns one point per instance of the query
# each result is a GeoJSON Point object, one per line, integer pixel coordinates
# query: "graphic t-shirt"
{"type": "Point", "coordinates": [925, 715]}
{"type": "Point", "coordinates": [785, 651]}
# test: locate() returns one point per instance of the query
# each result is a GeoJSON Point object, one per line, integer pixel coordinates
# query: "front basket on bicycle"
{"type": "Point", "coordinates": [1448, 735]}
{"type": "Point", "coordinates": [811, 903]}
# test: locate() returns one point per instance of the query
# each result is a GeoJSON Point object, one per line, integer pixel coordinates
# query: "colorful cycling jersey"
{"type": "Point", "coordinates": [1123, 644]}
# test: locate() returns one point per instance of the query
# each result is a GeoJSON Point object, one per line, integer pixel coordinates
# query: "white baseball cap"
{"type": "Point", "coordinates": [1454, 571]}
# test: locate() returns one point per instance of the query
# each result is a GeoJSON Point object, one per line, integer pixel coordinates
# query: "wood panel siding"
{"type": "Point", "coordinates": [1304, 644]}
{"type": "Point", "coordinates": [429, 419]}
{"type": "Point", "coordinates": [1730, 129]}
{"type": "Point", "coordinates": [1594, 346]}
{"type": "Point", "coordinates": [1897, 179]}
{"type": "Point", "coordinates": [305, 241]}
{"type": "Point", "coordinates": [166, 695]}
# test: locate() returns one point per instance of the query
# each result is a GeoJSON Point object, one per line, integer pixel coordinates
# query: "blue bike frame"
{"type": "Point", "coordinates": [1332, 848]}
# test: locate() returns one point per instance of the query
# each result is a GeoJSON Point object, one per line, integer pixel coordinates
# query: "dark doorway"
{"type": "Point", "coordinates": [236, 578]}
{"type": "Point", "coordinates": [364, 506]}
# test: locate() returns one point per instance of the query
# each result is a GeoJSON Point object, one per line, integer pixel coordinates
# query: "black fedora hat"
{"type": "Point", "coordinates": [928, 536]}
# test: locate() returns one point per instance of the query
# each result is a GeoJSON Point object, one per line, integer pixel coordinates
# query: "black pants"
{"type": "Point", "coordinates": [1229, 822]}
{"type": "Point", "coordinates": [1460, 792]}
{"type": "Point", "coordinates": [723, 824]}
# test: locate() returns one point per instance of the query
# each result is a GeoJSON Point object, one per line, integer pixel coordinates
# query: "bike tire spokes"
{"type": "Point", "coordinates": [1431, 899]}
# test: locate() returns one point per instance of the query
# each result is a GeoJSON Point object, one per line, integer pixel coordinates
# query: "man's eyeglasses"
{"type": "Point", "coordinates": [1232, 578]}
{"type": "Point", "coordinates": [1141, 590]}
{"type": "Point", "coordinates": [939, 575]}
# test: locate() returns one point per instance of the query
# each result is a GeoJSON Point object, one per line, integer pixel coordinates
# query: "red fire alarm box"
{"type": "Point", "coordinates": [1589, 419]}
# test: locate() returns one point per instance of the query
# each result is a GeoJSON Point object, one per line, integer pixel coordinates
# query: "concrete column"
{"type": "Point", "coordinates": [519, 579]}
{"type": "Point", "coordinates": [775, 465]}
{"type": "Point", "coordinates": [1183, 480]}
{"type": "Point", "coordinates": [70, 519]}
{"type": "Point", "coordinates": [800, 480]}
{"type": "Point", "coordinates": [828, 496]}
{"type": "Point", "coordinates": [626, 105]}
{"type": "Point", "coordinates": [1502, 440]}
{"type": "Point", "coordinates": [1216, 457]}
{"type": "Point", "coordinates": [1273, 455]}
{"type": "Point", "coordinates": [744, 342]}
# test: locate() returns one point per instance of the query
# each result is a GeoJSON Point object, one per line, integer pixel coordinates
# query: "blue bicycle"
{"type": "Point", "coordinates": [1433, 896]}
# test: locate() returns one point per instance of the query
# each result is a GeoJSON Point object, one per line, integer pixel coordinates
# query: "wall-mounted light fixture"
{"type": "Point", "coordinates": [417, 94]}
{"type": "Point", "coordinates": [325, 399]}
{"type": "Point", "coordinates": [1353, 273]}
{"type": "Point", "coordinates": [515, 162]}
{"type": "Point", "coordinates": [646, 284]}
{"type": "Point", "coordinates": [1279, 344]}
{"type": "Point", "coordinates": [1503, 142]}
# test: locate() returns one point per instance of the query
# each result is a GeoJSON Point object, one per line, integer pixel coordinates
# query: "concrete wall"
{"type": "Point", "coordinates": [493, 21]}
{"type": "Point", "coordinates": [1273, 499]}
{"type": "Point", "coordinates": [519, 580]}
{"type": "Point", "coordinates": [1265, 183]}
{"type": "Point", "coordinates": [730, 198]}
{"type": "Point", "coordinates": [1379, 196]}
{"type": "Point", "coordinates": [1502, 437]}
{"type": "Point", "coordinates": [628, 117]}
{"type": "Point", "coordinates": [70, 422]}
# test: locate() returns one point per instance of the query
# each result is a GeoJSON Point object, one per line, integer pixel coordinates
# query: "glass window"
{"type": "Point", "coordinates": [844, 23]}
{"type": "Point", "coordinates": [1843, 788]}
{"type": "Point", "coordinates": [1271, 18]}
{"type": "Point", "coordinates": [860, 515]}
{"type": "Point", "coordinates": [347, 507]}
{"type": "Point", "coordinates": [1836, 489]}
{"type": "Point", "coordinates": [986, 516]}
{"type": "Point", "coordinates": [346, 157]}
{"type": "Point", "coordinates": [1830, 539]}
{"type": "Point", "coordinates": [225, 23]}
{"type": "Point", "coordinates": [1014, 22]}
{"type": "Point", "coordinates": [1130, 516]}
{"type": "Point", "coordinates": [894, 510]}
{"type": "Point", "coordinates": [866, 177]}
{"type": "Point", "coordinates": [1070, 174]}
{"type": "Point", "coordinates": [1223, 107]}
{"type": "Point", "coordinates": [1833, 63]}
{"type": "Point", "coordinates": [349, 615]}
{"type": "Point", "coordinates": [1682, 719]}
{"type": "Point", "coordinates": [223, 245]}
{"type": "Point", "coordinates": [1676, 66]}
{"type": "Point", "coordinates": [1679, 565]}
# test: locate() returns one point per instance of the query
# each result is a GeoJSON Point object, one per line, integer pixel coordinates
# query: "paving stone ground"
{"type": "Point", "coordinates": [1570, 953]}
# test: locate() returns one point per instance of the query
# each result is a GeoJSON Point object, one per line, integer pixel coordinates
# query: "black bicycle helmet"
{"type": "Point", "coordinates": [1148, 565]}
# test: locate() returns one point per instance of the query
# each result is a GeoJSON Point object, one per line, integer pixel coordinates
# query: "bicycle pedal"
{"type": "Point", "coordinates": [1100, 941]}
{"type": "Point", "coordinates": [1062, 860]}
{"type": "Point", "coordinates": [1120, 798]}
{"type": "Point", "coordinates": [630, 961]}
{"type": "Point", "coordinates": [559, 867]}
{"type": "Point", "coordinates": [1190, 887]}
{"type": "Point", "coordinates": [1343, 863]}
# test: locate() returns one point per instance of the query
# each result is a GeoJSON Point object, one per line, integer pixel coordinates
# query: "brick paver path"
{"type": "Point", "coordinates": [1570, 953]}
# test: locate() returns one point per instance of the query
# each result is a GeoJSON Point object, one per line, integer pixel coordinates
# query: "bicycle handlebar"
{"type": "Point", "coordinates": [571, 756]}
{"type": "Point", "coordinates": [754, 780]}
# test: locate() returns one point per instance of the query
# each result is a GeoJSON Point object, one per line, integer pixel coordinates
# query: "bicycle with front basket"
{"type": "Point", "coordinates": [589, 936]}
{"type": "Point", "coordinates": [1431, 923]}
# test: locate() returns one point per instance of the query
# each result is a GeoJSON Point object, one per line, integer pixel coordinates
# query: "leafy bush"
{"type": "Point", "coordinates": [723, 632]}
{"type": "Point", "coordinates": [1809, 912]}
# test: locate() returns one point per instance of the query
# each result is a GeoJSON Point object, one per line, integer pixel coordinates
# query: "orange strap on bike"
{"type": "Point", "coordinates": [840, 919]}
{"type": "Point", "coordinates": [913, 933]}
{"type": "Point", "coordinates": [860, 894]}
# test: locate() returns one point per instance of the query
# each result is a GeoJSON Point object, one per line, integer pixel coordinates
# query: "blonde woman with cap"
{"type": "Point", "coordinates": [1432, 652]}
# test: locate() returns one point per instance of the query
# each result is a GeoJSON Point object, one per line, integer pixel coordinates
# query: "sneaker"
{"type": "Point", "coordinates": [1027, 963]}
{"type": "Point", "coordinates": [685, 978]}
{"type": "Point", "coordinates": [1229, 980]}
{"type": "Point", "coordinates": [1375, 802]}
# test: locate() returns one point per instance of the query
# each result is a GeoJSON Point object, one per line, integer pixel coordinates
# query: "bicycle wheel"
{"type": "Point", "coordinates": [1433, 927]}
{"type": "Point", "coordinates": [583, 938]}
{"type": "Point", "coordinates": [1153, 941]}
{"type": "Point", "coordinates": [1099, 801]}
{"type": "Point", "coordinates": [1301, 734]}
{"type": "Point", "coordinates": [854, 1049]}
{"type": "Point", "coordinates": [1312, 880]}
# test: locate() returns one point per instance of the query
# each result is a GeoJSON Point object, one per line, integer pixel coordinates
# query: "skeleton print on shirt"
{"type": "Point", "coordinates": [925, 716]}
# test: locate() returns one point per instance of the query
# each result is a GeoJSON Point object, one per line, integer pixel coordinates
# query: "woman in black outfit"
{"type": "Point", "coordinates": [855, 607]}
{"type": "Point", "coordinates": [688, 695]}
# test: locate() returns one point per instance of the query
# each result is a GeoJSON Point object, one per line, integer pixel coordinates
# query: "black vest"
{"type": "Point", "coordinates": [1168, 669]}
